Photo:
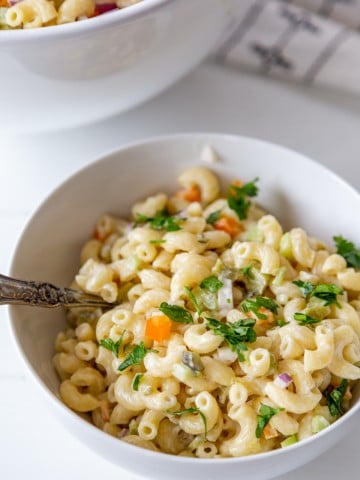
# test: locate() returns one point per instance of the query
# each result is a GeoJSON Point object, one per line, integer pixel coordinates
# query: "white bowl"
{"type": "Point", "coordinates": [296, 189]}
{"type": "Point", "coordinates": [67, 75]}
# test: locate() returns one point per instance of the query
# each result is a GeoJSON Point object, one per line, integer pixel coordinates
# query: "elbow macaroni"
{"type": "Point", "coordinates": [42, 13]}
{"type": "Point", "coordinates": [186, 387]}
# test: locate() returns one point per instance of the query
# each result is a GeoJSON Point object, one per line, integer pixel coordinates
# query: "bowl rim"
{"type": "Point", "coordinates": [56, 401]}
{"type": "Point", "coordinates": [11, 38]}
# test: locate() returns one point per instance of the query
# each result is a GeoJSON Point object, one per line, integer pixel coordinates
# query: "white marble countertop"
{"type": "Point", "coordinates": [321, 124]}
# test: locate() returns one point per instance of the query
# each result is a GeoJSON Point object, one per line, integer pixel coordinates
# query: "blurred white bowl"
{"type": "Point", "coordinates": [67, 75]}
{"type": "Point", "coordinates": [294, 188]}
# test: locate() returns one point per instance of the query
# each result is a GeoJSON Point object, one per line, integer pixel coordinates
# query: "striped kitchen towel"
{"type": "Point", "coordinates": [310, 41]}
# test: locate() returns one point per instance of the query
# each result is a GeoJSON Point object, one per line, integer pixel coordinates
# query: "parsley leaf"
{"type": "Point", "coordinates": [194, 300]}
{"type": "Point", "coordinates": [247, 272]}
{"type": "Point", "coordinates": [136, 356]}
{"type": "Point", "coordinates": [305, 287]}
{"type": "Point", "coordinates": [213, 217]}
{"type": "Point", "coordinates": [161, 221]}
{"type": "Point", "coordinates": [304, 319]}
{"type": "Point", "coordinates": [235, 333]}
{"type": "Point", "coordinates": [176, 313]}
{"type": "Point", "coordinates": [155, 242]}
{"type": "Point", "coordinates": [237, 198]}
{"type": "Point", "coordinates": [335, 398]}
{"type": "Point", "coordinates": [325, 291]}
{"type": "Point", "coordinates": [190, 410]}
{"type": "Point", "coordinates": [136, 381]}
{"type": "Point", "coordinates": [212, 283]}
{"type": "Point", "coordinates": [109, 344]}
{"type": "Point", "coordinates": [266, 413]}
{"type": "Point", "coordinates": [347, 249]}
{"type": "Point", "coordinates": [255, 305]}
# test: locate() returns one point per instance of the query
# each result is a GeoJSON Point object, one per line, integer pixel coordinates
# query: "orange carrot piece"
{"type": "Point", "coordinates": [237, 183]}
{"type": "Point", "coordinates": [158, 328]}
{"type": "Point", "coordinates": [262, 321]}
{"type": "Point", "coordinates": [270, 432]}
{"type": "Point", "coordinates": [191, 194]}
{"type": "Point", "coordinates": [228, 225]}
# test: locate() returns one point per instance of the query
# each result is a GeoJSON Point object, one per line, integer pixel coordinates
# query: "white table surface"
{"type": "Point", "coordinates": [323, 124]}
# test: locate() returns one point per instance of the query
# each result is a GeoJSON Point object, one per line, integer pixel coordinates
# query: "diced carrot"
{"type": "Point", "coordinates": [228, 225]}
{"type": "Point", "coordinates": [347, 394]}
{"type": "Point", "coordinates": [4, 3]}
{"type": "Point", "coordinates": [98, 235]}
{"type": "Point", "coordinates": [270, 432]}
{"type": "Point", "coordinates": [158, 328]}
{"type": "Point", "coordinates": [262, 321]}
{"type": "Point", "coordinates": [237, 183]}
{"type": "Point", "coordinates": [191, 194]}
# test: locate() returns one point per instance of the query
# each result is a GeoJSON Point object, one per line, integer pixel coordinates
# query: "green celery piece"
{"type": "Point", "coordinates": [286, 246]}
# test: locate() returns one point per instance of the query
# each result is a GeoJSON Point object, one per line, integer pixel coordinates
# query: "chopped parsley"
{"type": "Point", "coordinates": [235, 334]}
{"type": "Point", "coordinates": [188, 411]}
{"type": "Point", "coordinates": [259, 302]}
{"type": "Point", "coordinates": [194, 300]}
{"type": "Point", "coordinates": [247, 272]}
{"type": "Point", "coordinates": [266, 413]}
{"type": "Point", "coordinates": [213, 217]}
{"type": "Point", "coordinates": [156, 242]}
{"type": "Point", "coordinates": [212, 283]}
{"type": "Point", "coordinates": [237, 198]}
{"type": "Point", "coordinates": [109, 344]}
{"type": "Point", "coordinates": [347, 249]}
{"type": "Point", "coordinates": [176, 313]}
{"type": "Point", "coordinates": [334, 399]}
{"type": "Point", "coordinates": [136, 356]}
{"type": "Point", "coordinates": [161, 221]}
{"type": "Point", "coordinates": [304, 319]}
{"type": "Point", "coordinates": [136, 381]}
{"type": "Point", "coordinates": [325, 291]}
{"type": "Point", "coordinates": [306, 288]}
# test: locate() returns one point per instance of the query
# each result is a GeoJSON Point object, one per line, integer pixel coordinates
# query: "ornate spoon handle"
{"type": "Point", "coordinates": [40, 294]}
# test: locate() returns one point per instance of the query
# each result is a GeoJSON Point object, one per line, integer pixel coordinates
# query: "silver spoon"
{"type": "Point", "coordinates": [40, 294]}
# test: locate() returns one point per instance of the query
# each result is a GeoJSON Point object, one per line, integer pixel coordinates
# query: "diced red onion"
{"type": "Point", "coordinates": [105, 7]}
{"type": "Point", "coordinates": [283, 380]}
{"type": "Point", "coordinates": [123, 432]}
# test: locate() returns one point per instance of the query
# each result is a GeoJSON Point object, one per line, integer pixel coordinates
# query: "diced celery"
{"type": "Point", "coordinates": [255, 235]}
{"type": "Point", "coordinates": [289, 441]}
{"type": "Point", "coordinates": [193, 361]}
{"type": "Point", "coordinates": [286, 246]}
{"type": "Point", "coordinates": [182, 373]}
{"type": "Point", "coordinates": [316, 308]}
{"type": "Point", "coordinates": [208, 299]}
{"type": "Point", "coordinates": [218, 267]}
{"type": "Point", "coordinates": [133, 427]}
{"type": "Point", "coordinates": [279, 277]}
{"type": "Point", "coordinates": [256, 282]}
{"type": "Point", "coordinates": [318, 423]}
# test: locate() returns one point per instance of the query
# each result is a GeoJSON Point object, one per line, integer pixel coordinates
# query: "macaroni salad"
{"type": "Point", "coordinates": [225, 335]}
{"type": "Point", "coordinates": [16, 14]}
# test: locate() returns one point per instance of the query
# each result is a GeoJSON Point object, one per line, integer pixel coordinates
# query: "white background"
{"type": "Point", "coordinates": [322, 124]}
